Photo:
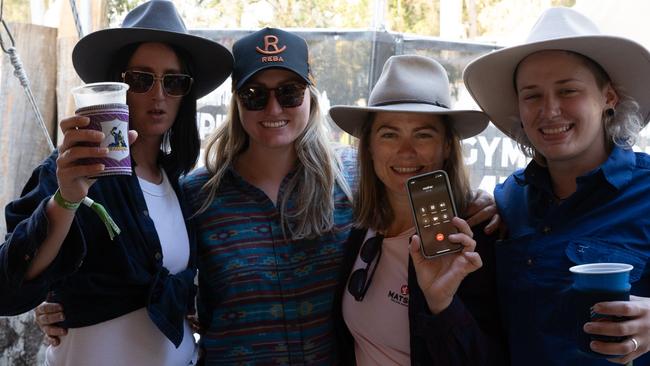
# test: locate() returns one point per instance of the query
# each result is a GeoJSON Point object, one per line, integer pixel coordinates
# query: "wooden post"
{"type": "Point", "coordinates": [22, 143]}
{"type": "Point", "coordinates": [67, 38]}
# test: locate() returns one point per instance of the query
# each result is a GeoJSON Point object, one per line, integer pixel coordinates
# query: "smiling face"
{"type": "Point", "coordinates": [561, 107]}
{"type": "Point", "coordinates": [274, 127]}
{"type": "Point", "coordinates": [153, 113]}
{"type": "Point", "coordinates": [403, 145]}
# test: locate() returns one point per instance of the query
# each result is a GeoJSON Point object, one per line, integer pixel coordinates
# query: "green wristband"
{"type": "Point", "coordinates": [72, 206]}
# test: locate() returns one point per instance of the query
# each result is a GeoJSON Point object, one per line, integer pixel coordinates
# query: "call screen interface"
{"type": "Point", "coordinates": [433, 211]}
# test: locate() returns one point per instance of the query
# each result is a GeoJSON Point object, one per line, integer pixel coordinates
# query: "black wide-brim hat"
{"type": "Point", "coordinates": [153, 21]}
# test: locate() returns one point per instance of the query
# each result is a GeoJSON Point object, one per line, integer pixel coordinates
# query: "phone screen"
{"type": "Point", "coordinates": [433, 208]}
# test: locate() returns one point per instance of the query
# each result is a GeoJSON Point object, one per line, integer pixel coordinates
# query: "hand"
{"type": "Point", "coordinates": [440, 277]}
{"type": "Point", "coordinates": [637, 310]}
{"type": "Point", "coordinates": [47, 314]}
{"type": "Point", "coordinates": [483, 208]}
{"type": "Point", "coordinates": [77, 143]}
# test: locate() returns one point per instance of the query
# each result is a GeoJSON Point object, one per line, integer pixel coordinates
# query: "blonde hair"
{"type": "Point", "coordinates": [318, 170]}
{"type": "Point", "coordinates": [373, 210]}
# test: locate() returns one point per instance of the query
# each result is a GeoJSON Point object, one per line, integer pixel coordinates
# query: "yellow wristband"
{"type": "Point", "coordinates": [72, 206]}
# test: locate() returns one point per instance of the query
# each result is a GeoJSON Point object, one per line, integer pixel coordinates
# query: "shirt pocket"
{"type": "Point", "coordinates": [592, 250]}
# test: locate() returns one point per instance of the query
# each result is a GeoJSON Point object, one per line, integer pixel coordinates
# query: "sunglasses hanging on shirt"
{"type": "Point", "coordinates": [174, 85]}
{"type": "Point", "coordinates": [255, 98]}
{"type": "Point", "coordinates": [360, 280]}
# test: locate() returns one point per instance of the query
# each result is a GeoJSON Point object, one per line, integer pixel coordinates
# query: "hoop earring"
{"type": "Point", "coordinates": [609, 112]}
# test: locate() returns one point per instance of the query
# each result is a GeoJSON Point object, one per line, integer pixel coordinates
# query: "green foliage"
{"type": "Point", "coordinates": [567, 3]}
{"type": "Point", "coordinates": [16, 11]}
{"type": "Point", "coordinates": [414, 16]}
{"type": "Point", "coordinates": [117, 9]}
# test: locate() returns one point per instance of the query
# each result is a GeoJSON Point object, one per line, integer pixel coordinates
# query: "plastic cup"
{"type": "Point", "coordinates": [594, 283]}
{"type": "Point", "coordinates": [105, 105]}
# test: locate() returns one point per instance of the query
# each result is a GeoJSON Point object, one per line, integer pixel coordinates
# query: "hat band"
{"type": "Point", "coordinates": [409, 102]}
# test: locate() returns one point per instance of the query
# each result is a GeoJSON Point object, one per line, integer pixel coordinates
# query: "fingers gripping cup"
{"type": "Point", "coordinates": [594, 283]}
{"type": "Point", "coordinates": [105, 105]}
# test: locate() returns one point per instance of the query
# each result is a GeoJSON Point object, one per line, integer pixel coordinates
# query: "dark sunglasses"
{"type": "Point", "coordinates": [359, 280]}
{"type": "Point", "coordinates": [255, 98]}
{"type": "Point", "coordinates": [174, 85]}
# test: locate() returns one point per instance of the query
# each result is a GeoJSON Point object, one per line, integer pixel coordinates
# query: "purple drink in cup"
{"type": "Point", "coordinates": [105, 105]}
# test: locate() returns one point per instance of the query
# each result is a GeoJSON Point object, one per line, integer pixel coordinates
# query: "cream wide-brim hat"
{"type": "Point", "coordinates": [410, 84]}
{"type": "Point", "coordinates": [490, 78]}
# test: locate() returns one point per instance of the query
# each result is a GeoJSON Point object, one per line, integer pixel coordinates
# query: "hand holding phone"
{"type": "Point", "coordinates": [433, 208]}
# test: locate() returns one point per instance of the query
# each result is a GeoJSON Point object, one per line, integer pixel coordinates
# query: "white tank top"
{"type": "Point", "coordinates": [133, 339]}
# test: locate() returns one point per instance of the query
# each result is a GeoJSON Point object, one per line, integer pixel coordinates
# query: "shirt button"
{"type": "Point", "coordinates": [546, 230]}
{"type": "Point", "coordinates": [81, 262]}
{"type": "Point", "coordinates": [529, 262]}
{"type": "Point", "coordinates": [158, 256]}
{"type": "Point", "coordinates": [145, 212]}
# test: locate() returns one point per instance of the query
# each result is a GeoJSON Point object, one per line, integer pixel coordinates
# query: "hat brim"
{"type": "Point", "coordinates": [93, 54]}
{"type": "Point", "coordinates": [245, 78]}
{"type": "Point", "coordinates": [467, 123]}
{"type": "Point", "coordinates": [490, 78]}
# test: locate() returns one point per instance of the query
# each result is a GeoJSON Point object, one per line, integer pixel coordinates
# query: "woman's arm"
{"type": "Point", "coordinates": [73, 186]}
{"type": "Point", "coordinates": [446, 330]}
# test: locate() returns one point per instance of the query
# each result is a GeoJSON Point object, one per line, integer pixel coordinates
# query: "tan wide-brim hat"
{"type": "Point", "coordinates": [490, 78]}
{"type": "Point", "coordinates": [410, 84]}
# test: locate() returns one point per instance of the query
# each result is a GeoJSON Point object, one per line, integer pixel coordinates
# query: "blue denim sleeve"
{"type": "Point", "coordinates": [27, 226]}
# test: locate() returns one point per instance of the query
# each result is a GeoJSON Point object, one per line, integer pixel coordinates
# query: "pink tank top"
{"type": "Point", "coordinates": [379, 323]}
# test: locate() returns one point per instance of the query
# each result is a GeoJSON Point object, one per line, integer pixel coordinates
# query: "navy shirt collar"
{"type": "Point", "coordinates": [616, 170]}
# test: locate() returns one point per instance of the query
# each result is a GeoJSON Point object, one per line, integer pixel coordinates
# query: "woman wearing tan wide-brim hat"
{"type": "Point", "coordinates": [441, 309]}
{"type": "Point", "coordinates": [575, 100]}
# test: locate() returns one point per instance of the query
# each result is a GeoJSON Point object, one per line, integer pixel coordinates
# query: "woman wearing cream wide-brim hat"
{"type": "Point", "coordinates": [575, 100]}
{"type": "Point", "coordinates": [442, 309]}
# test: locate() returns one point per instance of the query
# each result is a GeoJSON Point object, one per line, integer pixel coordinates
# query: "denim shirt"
{"type": "Point", "coordinates": [607, 219]}
{"type": "Point", "coordinates": [95, 279]}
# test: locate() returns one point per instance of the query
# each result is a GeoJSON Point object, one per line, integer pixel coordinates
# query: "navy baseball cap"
{"type": "Point", "coordinates": [269, 48]}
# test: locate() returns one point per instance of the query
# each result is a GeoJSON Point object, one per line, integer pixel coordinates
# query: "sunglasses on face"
{"type": "Point", "coordinates": [255, 98]}
{"type": "Point", "coordinates": [174, 85]}
{"type": "Point", "coordinates": [359, 280]}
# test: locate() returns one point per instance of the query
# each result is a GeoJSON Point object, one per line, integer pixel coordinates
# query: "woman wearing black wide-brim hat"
{"type": "Point", "coordinates": [124, 298]}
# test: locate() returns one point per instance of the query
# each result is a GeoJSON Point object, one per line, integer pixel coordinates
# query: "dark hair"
{"type": "Point", "coordinates": [180, 147]}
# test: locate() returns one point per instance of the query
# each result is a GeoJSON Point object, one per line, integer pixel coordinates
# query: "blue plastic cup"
{"type": "Point", "coordinates": [594, 283]}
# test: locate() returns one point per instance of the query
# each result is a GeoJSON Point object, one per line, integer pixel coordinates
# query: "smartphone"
{"type": "Point", "coordinates": [433, 208]}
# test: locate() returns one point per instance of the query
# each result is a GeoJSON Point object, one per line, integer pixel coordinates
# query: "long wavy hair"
{"type": "Point", "coordinates": [371, 207]}
{"type": "Point", "coordinates": [621, 129]}
{"type": "Point", "coordinates": [318, 170]}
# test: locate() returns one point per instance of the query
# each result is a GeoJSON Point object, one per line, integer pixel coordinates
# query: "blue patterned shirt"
{"type": "Point", "coordinates": [264, 299]}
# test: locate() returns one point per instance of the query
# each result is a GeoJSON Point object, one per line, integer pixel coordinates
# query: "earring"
{"type": "Point", "coordinates": [609, 112]}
